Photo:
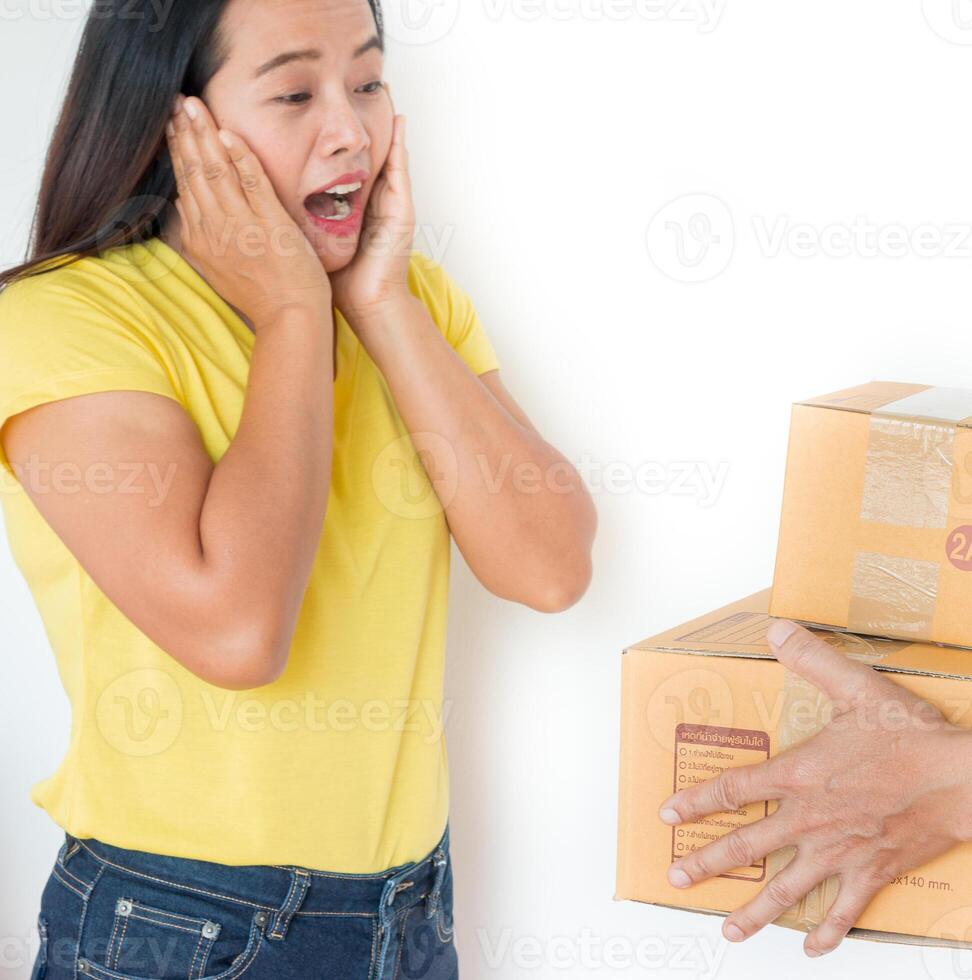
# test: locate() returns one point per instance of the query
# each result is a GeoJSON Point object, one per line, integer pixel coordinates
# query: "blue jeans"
{"type": "Point", "coordinates": [116, 914]}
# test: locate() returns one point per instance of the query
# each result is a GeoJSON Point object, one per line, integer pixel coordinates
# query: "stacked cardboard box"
{"type": "Point", "coordinates": [875, 551]}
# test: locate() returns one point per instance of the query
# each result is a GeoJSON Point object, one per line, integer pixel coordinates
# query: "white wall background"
{"type": "Point", "coordinates": [827, 240]}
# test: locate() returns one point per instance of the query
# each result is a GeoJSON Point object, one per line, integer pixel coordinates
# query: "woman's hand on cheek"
{"type": "Point", "coordinates": [883, 788]}
{"type": "Point", "coordinates": [377, 276]}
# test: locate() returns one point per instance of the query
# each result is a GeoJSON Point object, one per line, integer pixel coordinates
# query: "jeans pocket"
{"type": "Point", "coordinates": [426, 950]}
{"type": "Point", "coordinates": [40, 963]}
{"type": "Point", "coordinates": [444, 925]}
{"type": "Point", "coordinates": [138, 929]}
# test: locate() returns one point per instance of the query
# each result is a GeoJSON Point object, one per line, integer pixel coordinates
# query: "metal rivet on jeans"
{"type": "Point", "coordinates": [210, 930]}
{"type": "Point", "coordinates": [261, 918]}
{"type": "Point", "coordinates": [82, 966]}
{"type": "Point", "coordinates": [123, 906]}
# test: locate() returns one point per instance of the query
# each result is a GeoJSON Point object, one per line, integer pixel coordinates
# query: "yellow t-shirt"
{"type": "Point", "coordinates": [340, 764]}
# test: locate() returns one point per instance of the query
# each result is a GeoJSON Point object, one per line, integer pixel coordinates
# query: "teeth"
{"type": "Point", "coordinates": [344, 188]}
{"type": "Point", "coordinates": [343, 210]}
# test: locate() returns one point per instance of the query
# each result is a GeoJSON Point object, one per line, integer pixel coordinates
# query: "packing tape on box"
{"type": "Point", "coordinates": [908, 474]}
{"type": "Point", "coordinates": [804, 712]}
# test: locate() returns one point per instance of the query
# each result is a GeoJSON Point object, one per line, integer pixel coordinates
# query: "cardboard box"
{"type": "Point", "coordinates": [710, 695]}
{"type": "Point", "coordinates": [876, 526]}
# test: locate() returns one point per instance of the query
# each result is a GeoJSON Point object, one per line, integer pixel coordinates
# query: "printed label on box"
{"type": "Point", "coordinates": [701, 753]}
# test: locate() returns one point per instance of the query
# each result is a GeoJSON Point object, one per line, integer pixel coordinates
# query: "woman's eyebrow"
{"type": "Point", "coordinates": [313, 54]}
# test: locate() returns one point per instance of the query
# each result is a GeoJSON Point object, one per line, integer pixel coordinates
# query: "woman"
{"type": "Point", "coordinates": [238, 435]}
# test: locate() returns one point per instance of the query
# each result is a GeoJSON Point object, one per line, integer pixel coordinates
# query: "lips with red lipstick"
{"type": "Point", "coordinates": [338, 201]}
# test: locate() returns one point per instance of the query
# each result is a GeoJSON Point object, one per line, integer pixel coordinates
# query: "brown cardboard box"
{"type": "Point", "coordinates": [710, 695]}
{"type": "Point", "coordinates": [876, 526]}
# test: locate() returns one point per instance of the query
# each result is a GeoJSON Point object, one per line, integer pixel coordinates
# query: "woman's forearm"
{"type": "Point", "coordinates": [518, 510]}
{"type": "Point", "coordinates": [262, 516]}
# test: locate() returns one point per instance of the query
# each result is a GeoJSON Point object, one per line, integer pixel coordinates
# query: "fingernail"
{"type": "Point", "coordinates": [678, 878]}
{"type": "Point", "coordinates": [780, 631]}
{"type": "Point", "coordinates": [733, 932]}
{"type": "Point", "coordinates": [177, 104]}
{"type": "Point", "coordinates": [169, 128]}
{"type": "Point", "coordinates": [191, 111]}
{"type": "Point", "coordinates": [812, 952]}
{"type": "Point", "coordinates": [668, 815]}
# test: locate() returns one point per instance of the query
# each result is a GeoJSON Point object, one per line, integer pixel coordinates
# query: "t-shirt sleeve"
{"type": "Point", "coordinates": [61, 337]}
{"type": "Point", "coordinates": [453, 312]}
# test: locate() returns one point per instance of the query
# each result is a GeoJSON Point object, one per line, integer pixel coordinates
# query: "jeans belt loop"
{"type": "Point", "coordinates": [71, 847]}
{"type": "Point", "coordinates": [432, 902]}
{"type": "Point", "coordinates": [299, 883]}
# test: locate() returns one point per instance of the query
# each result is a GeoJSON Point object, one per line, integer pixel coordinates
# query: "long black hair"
{"type": "Point", "coordinates": [107, 178]}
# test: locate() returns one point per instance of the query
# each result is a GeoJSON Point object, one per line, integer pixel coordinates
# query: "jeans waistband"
{"type": "Point", "coordinates": [280, 891]}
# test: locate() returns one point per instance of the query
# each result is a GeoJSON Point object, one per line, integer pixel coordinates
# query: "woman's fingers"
{"type": "Point", "coordinates": [847, 908]}
{"type": "Point", "coordinates": [252, 178]}
{"type": "Point", "coordinates": [190, 208]}
{"type": "Point", "coordinates": [731, 789]}
{"type": "Point", "coordinates": [740, 848]}
{"type": "Point", "coordinates": [217, 166]}
{"type": "Point", "coordinates": [780, 893]}
{"type": "Point", "coordinates": [193, 184]}
{"type": "Point", "coordinates": [397, 162]}
{"type": "Point", "coordinates": [209, 170]}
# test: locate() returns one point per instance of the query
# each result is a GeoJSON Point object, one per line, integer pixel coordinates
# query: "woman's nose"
{"type": "Point", "coordinates": [341, 129]}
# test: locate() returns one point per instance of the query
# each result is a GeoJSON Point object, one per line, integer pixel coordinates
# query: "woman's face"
{"type": "Point", "coordinates": [312, 118]}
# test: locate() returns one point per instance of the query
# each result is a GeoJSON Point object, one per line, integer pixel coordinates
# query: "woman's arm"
{"type": "Point", "coordinates": [210, 562]}
{"type": "Point", "coordinates": [518, 510]}
{"type": "Point", "coordinates": [883, 788]}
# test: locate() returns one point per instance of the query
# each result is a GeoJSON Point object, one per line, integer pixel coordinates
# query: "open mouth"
{"type": "Point", "coordinates": [335, 205]}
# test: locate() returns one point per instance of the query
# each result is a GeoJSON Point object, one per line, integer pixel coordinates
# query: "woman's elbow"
{"type": "Point", "coordinates": [246, 656]}
{"type": "Point", "coordinates": [564, 589]}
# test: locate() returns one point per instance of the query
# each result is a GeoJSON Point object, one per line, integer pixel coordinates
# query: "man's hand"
{"type": "Point", "coordinates": [883, 788]}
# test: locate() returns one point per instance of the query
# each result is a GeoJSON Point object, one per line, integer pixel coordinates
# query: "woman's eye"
{"type": "Point", "coordinates": [297, 98]}
{"type": "Point", "coordinates": [372, 87]}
